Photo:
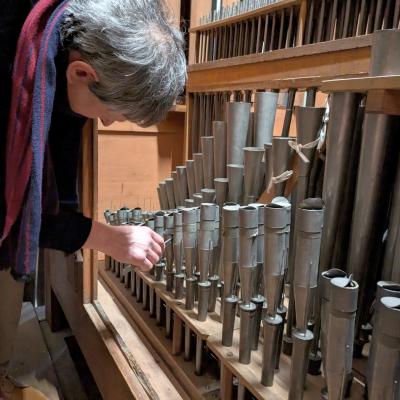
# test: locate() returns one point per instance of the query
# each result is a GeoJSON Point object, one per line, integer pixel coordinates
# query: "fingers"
{"type": "Point", "coordinates": [157, 249]}
{"type": "Point", "coordinates": [152, 256]}
{"type": "Point", "coordinates": [158, 239]}
{"type": "Point", "coordinates": [145, 266]}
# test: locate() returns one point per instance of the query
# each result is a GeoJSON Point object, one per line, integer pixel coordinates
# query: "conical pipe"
{"type": "Point", "coordinates": [276, 229]}
{"type": "Point", "coordinates": [190, 177]}
{"type": "Point", "coordinates": [248, 231]}
{"type": "Point", "coordinates": [230, 256]}
{"type": "Point", "coordinates": [384, 373]}
{"type": "Point", "coordinates": [252, 171]}
{"type": "Point", "coordinates": [183, 182]}
{"type": "Point", "coordinates": [383, 289]}
{"type": "Point", "coordinates": [219, 133]}
{"type": "Point", "coordinates": [340, 338]}
{"type": "Point", "coordinates": [309, 227]}
{"type": "Point", "coordinates": [379, 151]}
{"type": "Point", "coordinates": [235, 181]}
{"type": "Point", "coordinates": [170, 193]}
{"type": "Point", "coordinates": [207, 146]}
{"type": "Point", "coordinates": [264, 117]}
{"type": "Point", "coordinates": [237, 118]}
{"type": "Point", "coordinates": [198, 171]}
{"type": "Point", "coordinates": [282, 154]}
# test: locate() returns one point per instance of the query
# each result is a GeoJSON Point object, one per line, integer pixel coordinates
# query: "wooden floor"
{"type": "Point", "coordinates": [43, 359]}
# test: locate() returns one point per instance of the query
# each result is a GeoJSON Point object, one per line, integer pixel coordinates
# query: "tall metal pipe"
{"type": "Point", "coordinates": [264, 117]}
{"type": "Point", "coordinates": [252, 171]}
{"type": "Point", "coordinates": [207, 145]}
{"type": "Point", "coordinates": [219, 133]}
{"type": "Point", "coordinates": [169, 182]}
{"type": "Point", "coordinates": [384, 373]}
{"type": "Point", "coordinates": [237, 117]}
{"type": "Point", "coordinates": [198, 171]}
{"type": "Point", "coordinates": [183, 182]}
{"type": "Point", "coordinates": [340, 335]}
{"type": "Point", "coordinates": [375, 175]}
{"type": "Point", "coordinates": [281, 162]}
{"type": "Point", "coordinates": [268, 157]}
{"type": "Point", "coordinates": [178, 254]}
{"type": "Point", "coordinates": [235, 181]}
{"type": "Point", "coordinates": [214, 277]}
{"type": "Point", "coordinates": [340, 131]}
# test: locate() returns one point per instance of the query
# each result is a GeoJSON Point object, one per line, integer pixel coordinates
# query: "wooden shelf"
{"type": "Point", "coordinates": [246, 15]}
{"type": "Point", "coordinates": [302, 66]}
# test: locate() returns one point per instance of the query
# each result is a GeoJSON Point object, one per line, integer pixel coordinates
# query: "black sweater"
{"type": "Point", "coordinates": [68, 230]}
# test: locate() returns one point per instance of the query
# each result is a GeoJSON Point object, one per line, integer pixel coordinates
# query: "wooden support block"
{"type": "Point", "coordinates": [226, 383]}
{"type": "Point", "coordinates": [383, 102]}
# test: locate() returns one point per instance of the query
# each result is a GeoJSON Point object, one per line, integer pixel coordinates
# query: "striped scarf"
{"type": "Point", "coordinates": [33, 90]}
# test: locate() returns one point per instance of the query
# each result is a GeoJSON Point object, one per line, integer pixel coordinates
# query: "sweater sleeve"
{"type": "Point", "coordinates": [67, 231]}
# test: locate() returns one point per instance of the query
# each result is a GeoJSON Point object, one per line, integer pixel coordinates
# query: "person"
{"type": "Point", "coordinates": [62, 62]}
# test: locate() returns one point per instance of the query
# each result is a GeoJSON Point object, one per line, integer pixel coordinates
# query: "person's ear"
{"type": "Point", "coordinates": [79, 72]}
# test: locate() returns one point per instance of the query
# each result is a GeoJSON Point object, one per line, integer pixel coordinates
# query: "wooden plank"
{"type": "Point", "coordinates": [157, 383]}
{"type": "Point", "coordinates": [362, 84]}
{"type": "Point", "coordinates": [31, 364]}
{"type": "Point", "coordinates": [245, 16]}
{"type": "Point", "coordinates": [296, 65]}
{"type": "Point", "coordinates": [383, 102]}
{"type": "Point", "coordinates": [192, 386]}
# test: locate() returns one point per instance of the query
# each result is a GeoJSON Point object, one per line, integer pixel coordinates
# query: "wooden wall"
{"type": "Point", "coordinates": [132, 160]}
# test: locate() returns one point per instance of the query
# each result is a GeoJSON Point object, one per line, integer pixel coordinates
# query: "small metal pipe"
{"type": "Point", "coordinates": [219, 134]}
{"type": "Point", "coordinates": [188, 347]}
{"type": "Point", "coordinates": [145, 296]}
{"type": "Point", "coordinates": [208, 195]}
{"type": "Point", "coordinates": [199, 356]}
{"type": "Point", "coordinates": [177, 189]}
{"type": "Point", "coordinates": [207, 145]}
{"type": "Point", "coordinates": [288, 114]}
{"type": "Point", "coordinates": [298, 370]}
{"type": "Point", "coordinates": [183, 183]}
{"type": "Point", "coordinates": [169, 252]}
{"type": "Point", "coordinates": [190, 178]}
{"type": "Point", "coordinates": [228, 322]}
{"type": "Point", "coordinates": [168, 321]}
{"type": "Point", "coordinates": [163, 196]}
{"type": "Point", "coordinates": [247, 314]}
{"type": "Point", "coordinates": [169, 182]}
{"type": "Point", "coordinates": [198, 199]}
{"type": "Point", "coordinates": [198, 171]}
{"type": "Point", "coordinates": [235, 181]}
{"type": "Point", "coordinates": [238, 115]}
{"type": "Point", "coordinates": [271, 327]}
{"type": "Point", "coordinates": [221, 191]}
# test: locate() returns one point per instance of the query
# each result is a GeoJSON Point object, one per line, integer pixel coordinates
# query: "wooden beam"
{"type": "Point", "coordinates": [362, 84]}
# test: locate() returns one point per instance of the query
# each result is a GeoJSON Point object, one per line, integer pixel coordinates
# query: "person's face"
{"type": "Point", "coordinates": [82, 100]}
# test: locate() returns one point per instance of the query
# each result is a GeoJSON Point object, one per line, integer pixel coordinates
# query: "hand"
{"type": "Point", "coordinates": [136, 245]}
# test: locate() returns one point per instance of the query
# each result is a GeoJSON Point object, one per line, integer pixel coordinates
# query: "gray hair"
{"type": "Point", "coordinates": [136, 51]}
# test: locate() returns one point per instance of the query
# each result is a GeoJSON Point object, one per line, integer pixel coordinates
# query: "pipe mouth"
{"type": "Point", "coordinates": [391, 302]}
{"type": "Point", "coordinates": [312, 204]}
{"type": "Point", "coordinates": [221, 180]}
{"type": "Point", "coordinates": [254, 149]}
{"type": "Point", "coordinates": [235, 166]}
{"type": "Point", "coordinates": [334, 273]}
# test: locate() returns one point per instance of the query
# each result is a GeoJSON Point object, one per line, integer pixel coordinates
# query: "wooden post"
{"type": "Point", "coordinates": [301, 23]}
{"type": "Point", "coordinates": [226, 383]}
